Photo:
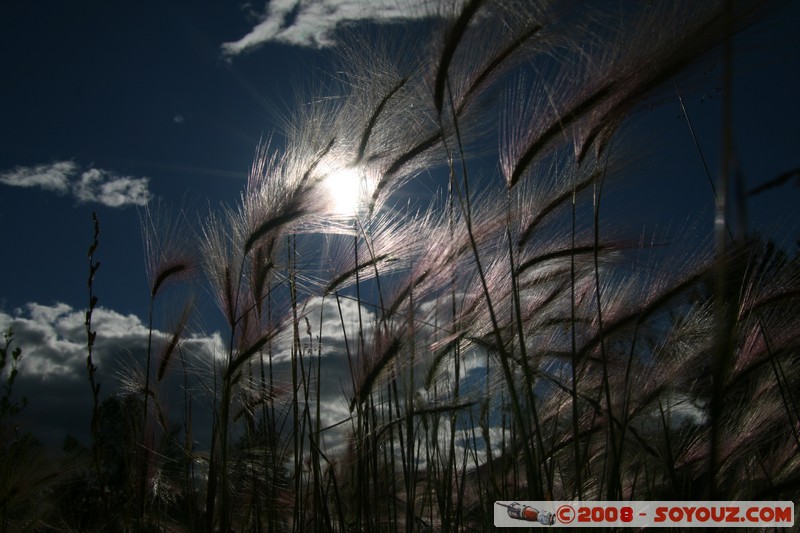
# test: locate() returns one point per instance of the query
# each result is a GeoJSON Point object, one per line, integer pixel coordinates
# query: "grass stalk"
{"type": "Point", "coordinates": [91, 337]}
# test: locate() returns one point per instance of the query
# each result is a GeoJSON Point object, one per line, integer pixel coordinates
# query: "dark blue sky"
{"type": "Point", "coordinates": [144, 90]}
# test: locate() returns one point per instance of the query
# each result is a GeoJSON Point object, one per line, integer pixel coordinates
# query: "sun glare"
{"type": "Point", "coordinates": [346, 188]}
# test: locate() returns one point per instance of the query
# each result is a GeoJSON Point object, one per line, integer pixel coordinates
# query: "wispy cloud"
{"type": "Point", "coordinates": [313, 23]}
{"type": "Point", "coordinates": [54, 177]}
{"type": "Point", "coordinates": [90, 185]}
{"type": "Point", "coordinates": [100, 186]}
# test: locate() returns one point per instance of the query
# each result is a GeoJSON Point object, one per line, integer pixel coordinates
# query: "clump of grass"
{"type": "Point", "coordinates": [505, 340]}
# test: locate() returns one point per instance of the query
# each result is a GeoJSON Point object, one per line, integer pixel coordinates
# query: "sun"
{"type": "Point", "coordinates": [347, 190]}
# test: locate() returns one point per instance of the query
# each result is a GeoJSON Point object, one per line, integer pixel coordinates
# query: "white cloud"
{"type": "Point", "coordinates": [52, 370]}
{"type": "Point", "coordinates": [102, 187]}
{"type": "Point", "coordinates": [53, 338]}
{"type": "Point", "coordinates": [313, 22]}
{"type": "Point", "coordinates": [54, 177]}
{"type": "Point", "coordinates": [331, 332]}
{"type": "Point", "coordinates": [93, 185]}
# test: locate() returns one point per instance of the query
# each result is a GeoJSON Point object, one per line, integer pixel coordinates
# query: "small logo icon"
{"type": "Point", "coordinates": [518, 511]}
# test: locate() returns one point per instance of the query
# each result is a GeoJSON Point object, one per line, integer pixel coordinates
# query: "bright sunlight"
{"type": "Point", "coordinates": [347, 189]}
